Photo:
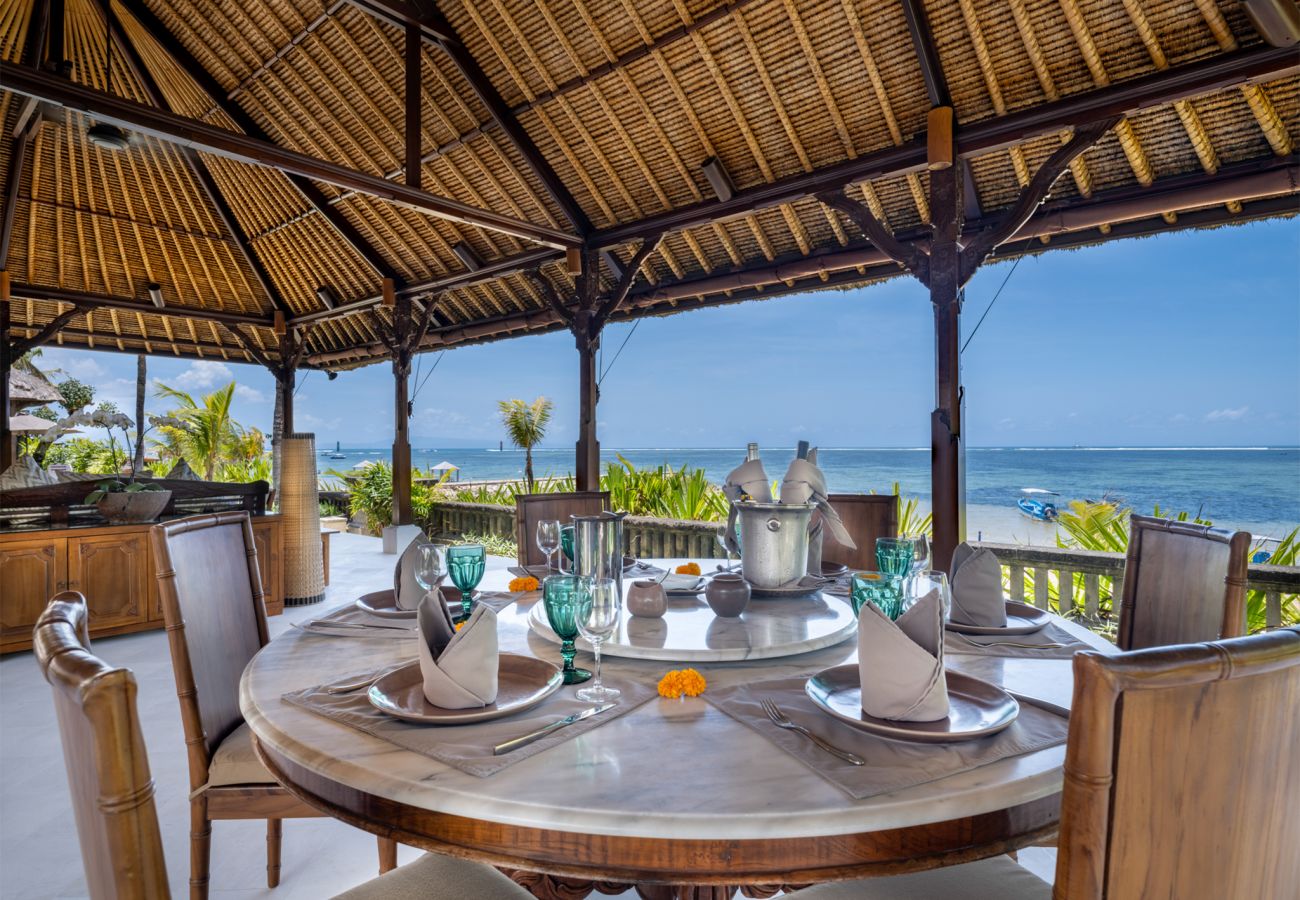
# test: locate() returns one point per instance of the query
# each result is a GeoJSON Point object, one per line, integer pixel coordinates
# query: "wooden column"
{"type": "Point", "coordinates": [587, 465]}
{"type": "Point", "coordinates": [402, 513]}
{"type": "Point", "coordinates": [947, 444]}
{"type": "Point", "coordinates": [286, 377]}
{"type": "Point", "coordinates": [7, 448]}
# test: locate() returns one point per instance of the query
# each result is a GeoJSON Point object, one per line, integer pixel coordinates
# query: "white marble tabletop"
{"type": "Point", "coordinates": [670, 769]}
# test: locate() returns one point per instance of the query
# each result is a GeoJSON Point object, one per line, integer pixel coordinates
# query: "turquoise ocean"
{"type": "Point", "coordinates": [1252, 488]}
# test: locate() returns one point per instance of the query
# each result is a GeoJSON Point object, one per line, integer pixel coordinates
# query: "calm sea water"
{"type": "Point", "coordinates": [1257, 488]}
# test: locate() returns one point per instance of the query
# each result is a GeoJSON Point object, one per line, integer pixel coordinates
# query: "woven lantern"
{"type": "Point", "coordinates": [304, 569]}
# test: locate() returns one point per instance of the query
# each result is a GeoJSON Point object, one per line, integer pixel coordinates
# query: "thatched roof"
{"type": "Point", "coordinates": [30, 389]}
{"type": "Point", "coordinates": [592, 118]}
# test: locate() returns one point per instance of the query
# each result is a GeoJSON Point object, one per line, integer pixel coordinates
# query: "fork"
{"type": "Point", "coordinates": [781, 720]}
{"type": "Point", "coordinates": [367, 681]}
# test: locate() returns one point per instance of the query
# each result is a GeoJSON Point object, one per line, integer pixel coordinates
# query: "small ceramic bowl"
{"type": "Point", "coordinates": [727, 594]}
{"type": "Point", "coordinates": [647, 599]}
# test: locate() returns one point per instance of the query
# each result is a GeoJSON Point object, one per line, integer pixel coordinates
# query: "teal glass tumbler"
{"type": "Point", "coordinates": [882, 590]}
{"type": "Point", "coordinates": [894, 555]}
{"type": "Point", "coordinates": [561, 596]}
{"type": "Point", "coordinates": [466, 564]}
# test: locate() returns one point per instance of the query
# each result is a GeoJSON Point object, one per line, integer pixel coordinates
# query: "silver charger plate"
{"type": "Point", "coordinates": [384, 603]}
{"type": "Point", "coordinates": [976, 708]}
{"type": "Point", "coordinates": [809, 584]}
{"type": "Point", "coordinates": [522, 683]}
{"type": "Point", "coordinates": [1021, 619]}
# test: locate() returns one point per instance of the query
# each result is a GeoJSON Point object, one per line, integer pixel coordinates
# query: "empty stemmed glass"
{"type": "Point", "coordinates": [560, 597]}
{"type": "Point", "coordinates": [598, 611]}
{"type": "Point", "coordinates": [465, 565]}
{"type": "Point", "coordinates": [548, 539]}
{"type": "Point", "coordinates": [920, 551]}
{"type": "Point", "coordinates": [428, 566]}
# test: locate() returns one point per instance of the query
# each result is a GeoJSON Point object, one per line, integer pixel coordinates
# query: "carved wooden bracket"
{"type": "Point", "coordinates": [401, 340]}
{"type": "Point", "coordinates": [19, 347]}
{"type": "Point", "coordinates": [293, 347]}
{"type": "Point", "coordinates": [916, 259]}
{"type": "Point", "coordinates": [592, 311]}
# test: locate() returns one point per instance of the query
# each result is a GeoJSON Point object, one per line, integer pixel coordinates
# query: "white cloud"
{"type": "Point", "coordinates": [316, 423]}
{"type": "Point", "coordinates": [204, 373]}
{"type": "Point", "coordinates": [252, 395]}
{"type": "Point", "coordinates": [1178, 417]}
{"type": "Point", "coordinates": [1227, 414]}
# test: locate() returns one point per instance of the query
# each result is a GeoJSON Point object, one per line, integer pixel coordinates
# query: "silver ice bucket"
{"type": "Point", "coordinates": [773, 542]}
{"type": "Point", "coordinates": [598, 546]}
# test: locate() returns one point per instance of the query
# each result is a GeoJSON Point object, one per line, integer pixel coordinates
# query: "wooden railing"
{"type": "Point", "coordinates": [1087, 580]}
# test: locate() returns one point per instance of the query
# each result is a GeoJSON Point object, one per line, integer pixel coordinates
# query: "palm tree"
{"type": "Point", "coordinates": [212, 430]}
{"type": "Point", "coordinates": [526, 424]}
{"type": "Point", "coordinates": [141, 376]}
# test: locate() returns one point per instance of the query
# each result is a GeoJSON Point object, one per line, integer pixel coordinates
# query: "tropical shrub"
{"type": "Point", "coordinates": [86, 455]}
{"type": "Point", "coordinates": [257, 468]}
{"type": "Point", "coordinates": [663, 492]}
{"type": "Point", "coordinates": [371, 493]}
{"type": "Point", "coordinates": [494, 544]}
{"type": "Point", "coordinates": [504, 493]}
{"type": "Point", "coordinates": [206, 435]}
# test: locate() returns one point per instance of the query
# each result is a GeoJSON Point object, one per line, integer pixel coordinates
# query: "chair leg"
{"type": "Point", "coordinates": [274, 829]}
{"type": "Point", "coordinates": [200, 847]}
{"type": "Point", "coordinates": [387, 855]}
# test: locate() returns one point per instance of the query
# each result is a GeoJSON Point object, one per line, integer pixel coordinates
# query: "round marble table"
{"type": "Point", "coordinates": [651, 798]}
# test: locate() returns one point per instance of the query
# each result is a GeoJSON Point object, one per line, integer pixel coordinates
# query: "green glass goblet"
{"type": "Point", "coordinates": [561, 595]}
{"type": "Point", "coordinates": [466, 564]}
{"type": "Point", "coordinates": [884, 591]}
{"type": "Point", "coordinates": [566, 544]}
{"type": "Point", "coordinates": [894, 555]}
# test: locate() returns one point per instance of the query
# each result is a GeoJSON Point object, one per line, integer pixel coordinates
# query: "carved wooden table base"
{"type": "Point", "coordinates": [551, 887]}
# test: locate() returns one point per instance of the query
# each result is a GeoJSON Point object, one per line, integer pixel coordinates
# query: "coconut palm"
{"type": "Point", "coordinates": [526, 425]}
{"type": "Point", "coordinates": [212, 430]}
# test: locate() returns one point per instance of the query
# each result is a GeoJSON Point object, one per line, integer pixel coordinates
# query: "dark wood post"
{"type": "Point", "coordinates": [947, 443]}
{"type": "Point", "coordinates": [587, 469]}
{"type": "Point", "coordinates": [402, 513]}
{"type": "Point", "coordinates": [7, 448]}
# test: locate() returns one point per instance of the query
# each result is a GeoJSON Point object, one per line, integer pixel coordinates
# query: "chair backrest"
{"type": "Point", "coordinates": [1181, 778]}
{"type": "Point", "coordinates": [216, 620]}
{"type": "Point", "coordinates": [865, 517]}
{"type": "Point", "coordinates": [108, 766]}
{"type": "Point", "coordinates": [533, 508]}
{"type": "Point", "coordinates": [1183, 583]}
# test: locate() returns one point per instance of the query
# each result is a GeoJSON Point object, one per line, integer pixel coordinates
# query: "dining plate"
{"type": "Point", "coordinates": [833, 569]}
{"type": "Point", "coordinates": [809, 584]}
{"type": "Point", "coordinates": [384, 604]}
{"type": "Point", "coordinates": [976, 708]}
{"type": "Point", "coordinates": [522, 683]}
{"type": "Point", "coordinates": [1021, 619]}
{"type": "Point", "coordinates": [683, 585]}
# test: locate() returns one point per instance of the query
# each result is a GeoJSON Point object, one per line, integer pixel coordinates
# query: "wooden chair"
{"type": "Point", "coordinates": [1180, 782]}
{"type": "Point", "coordinates": [213, 607]}
{"type": "Point", "coordinates": [866, 517]}
{"type": "Point", "coordinates": [1182, 583]}
{"type": "Point", "coordinates": [533, 508]}
{"type": "Point", "coordinates": [113, 795]}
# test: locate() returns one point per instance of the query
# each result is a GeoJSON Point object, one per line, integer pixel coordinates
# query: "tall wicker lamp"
{"type": "Point", "coordinates": [304, 569]}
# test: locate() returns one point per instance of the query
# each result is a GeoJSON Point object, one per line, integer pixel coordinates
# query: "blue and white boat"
{"type": "Point", "coordinates": [1036, 503]}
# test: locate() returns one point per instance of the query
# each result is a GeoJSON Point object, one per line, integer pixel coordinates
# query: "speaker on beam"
{"type": "Point", "coordinates": [1277, 21]}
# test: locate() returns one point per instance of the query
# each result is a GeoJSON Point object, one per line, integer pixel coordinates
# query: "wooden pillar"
{"type": "Point", "coordinates": [7, 448]}
{"type": "Point", "coordinates": [947, 443]}
{"type": "Point", "coordinates": [587, 468]}
{"type": "Point", "coordinates": [402, 513]}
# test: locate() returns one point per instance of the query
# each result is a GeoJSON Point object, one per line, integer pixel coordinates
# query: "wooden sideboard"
{"type": "Point", "coordinates": [113, 567]}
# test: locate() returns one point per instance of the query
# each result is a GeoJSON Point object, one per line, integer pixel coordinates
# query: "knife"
{"type": "Point", "coordinates": [527, 739]}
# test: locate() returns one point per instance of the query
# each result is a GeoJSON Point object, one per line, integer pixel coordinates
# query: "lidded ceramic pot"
{"type": "Point", "coordinates": [647, 599]}
{"type": "Point", "coordinates": [727, 594]}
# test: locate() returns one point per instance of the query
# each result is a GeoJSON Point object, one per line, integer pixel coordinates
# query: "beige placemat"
{"type": "Point", "coordinates": [469, 747]}
{"type": "Point", "coordinates": [349, 614]}
{"type": "Point", "coordinates": [1050, 642]}
{"type": "Point", "coordinates": [890, 765]}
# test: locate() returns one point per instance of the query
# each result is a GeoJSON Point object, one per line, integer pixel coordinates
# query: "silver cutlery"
{"type": "Point", "coordinates": [356, 685]}
{"type": "Point", "coordinates": [781, 720]}
{"type": "Point", "coordinates": [1020, 644]}
{"type": "Point", "coordinates": [328, 623]}
{"type": "Point", "coordinates": [526, 739]}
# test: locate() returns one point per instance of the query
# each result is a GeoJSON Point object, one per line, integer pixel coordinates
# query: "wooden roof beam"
{"type": "Point", "coordinates": [187, 132]}
{"type": "Point", "coordinates": [131, 304]}
{"type": "Point", "coordinates": [29, 118]}
{"type": "Point", "coordinates": [918, 26]}
{"type": "Point", "coordinates": [437, 30]}
{"type": "Point", "coordinates": [1125, 98]}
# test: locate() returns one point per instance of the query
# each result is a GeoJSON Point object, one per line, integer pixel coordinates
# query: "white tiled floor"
{"type": "Point", "coordinates": [39, 855]}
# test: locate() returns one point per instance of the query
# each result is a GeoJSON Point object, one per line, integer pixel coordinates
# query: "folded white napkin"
{"type": "Point", "coordinates": [674, 582]}
{"type": "Point", "coordinates": [901, 663]}
{"type": "Point", "coordinates": [805, 483]}
{"type": "Point", "coordinates": [407, 592]}
{"type": "Point", "coordinates": [977, 588]}
{"type": "Point", "coordinates": [459, 667]}
{"type": "Point", "coordinates": [750, 478]}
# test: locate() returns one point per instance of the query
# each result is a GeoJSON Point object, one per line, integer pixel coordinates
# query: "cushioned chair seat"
{"type": "Point", "coordinates": [236, 763]}
{"type": "Point", "coordinates": [999, 878]}
{"type": "Point", "coordinates": [437, 877]}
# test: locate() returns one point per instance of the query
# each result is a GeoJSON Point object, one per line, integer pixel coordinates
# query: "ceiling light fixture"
{"type": "Point", "coordinates": [718, 178]}
{"type": "Point", "coordinates": [155, 294]}
{"type": "Point", "coordinates": [327, 296]}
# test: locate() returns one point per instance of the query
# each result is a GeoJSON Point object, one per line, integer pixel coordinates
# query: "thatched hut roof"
{"type": "Point", "coordinates": [592, 118]}
{"type": "Point", "coordinates": [30, 389]}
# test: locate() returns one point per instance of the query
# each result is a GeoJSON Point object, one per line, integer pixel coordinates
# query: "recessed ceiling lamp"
{"type": "Point", "coordinates": [102, 134]}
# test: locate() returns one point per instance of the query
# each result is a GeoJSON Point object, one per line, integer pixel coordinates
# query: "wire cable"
{"type": "Point", "coordinates": [970, 337]}
{"type": "Point", "coordinates": [619, 352]}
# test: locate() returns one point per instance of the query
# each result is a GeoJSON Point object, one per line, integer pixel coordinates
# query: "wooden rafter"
{"type": "Point", "coordinates": [48, 330]}
{"type": "Point", "coordinates": [64, 295]}
{"type": "Point", "coordinates": [927, 56]}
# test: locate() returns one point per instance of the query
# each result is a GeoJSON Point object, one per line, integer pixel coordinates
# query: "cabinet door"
{"type": "Point", "coordinates": [112, 571]}
{"type": "Point", "coordinates": [31, 572]}
{"type": "Point", "coordinates": [266, 539]}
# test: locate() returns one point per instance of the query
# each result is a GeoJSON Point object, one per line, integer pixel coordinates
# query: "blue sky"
{"type": "Point", "coordinates": [1183, 339]}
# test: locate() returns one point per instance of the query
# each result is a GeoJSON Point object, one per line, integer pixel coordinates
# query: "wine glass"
{"type": "Point", "coordinates": [560, 596]}
{"type": "Point", "coordinates": [597, 617]}
{"type": "Point", "coordinates": [548, 539]}
{"type": "Point", "coordinates": [920, 551]}
{"type": "Point", "coordinates": [465, 565]}
{"type": "Point", "coordinates": [428, 566]}
{"type": "Point", "coordinates": [566, 546]}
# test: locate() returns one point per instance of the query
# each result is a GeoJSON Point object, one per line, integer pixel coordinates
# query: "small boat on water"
{"type": "Point", "coordinates": [1036, 503]}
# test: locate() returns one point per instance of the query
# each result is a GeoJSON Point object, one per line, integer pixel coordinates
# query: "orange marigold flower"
{"type": "Point", "coordinates": [682, 683]}
{"type": "Point", "coordinates": [460, 625]}
{"type": "Point", "coordinates": [689, 568]}
{"type": "Point", "coordinates": [523, 584]}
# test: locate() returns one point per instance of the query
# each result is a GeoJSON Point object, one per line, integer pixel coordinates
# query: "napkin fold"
{"type": "Point", "coordinates": [747, 481]}
{"type": "Point", "coordinates": [977, 588]}
{"type": "Point", "coordinates": [459, 667]}
{"type": "Point", "coordinates": [407, 593]}
{"type": "Point", "coordinates": [805, 483]}
{"type": "Point", "coordinates": [901, 663]}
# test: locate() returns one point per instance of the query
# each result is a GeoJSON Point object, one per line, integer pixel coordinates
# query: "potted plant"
{"type": "Point", "coordinates": [128, 502]}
